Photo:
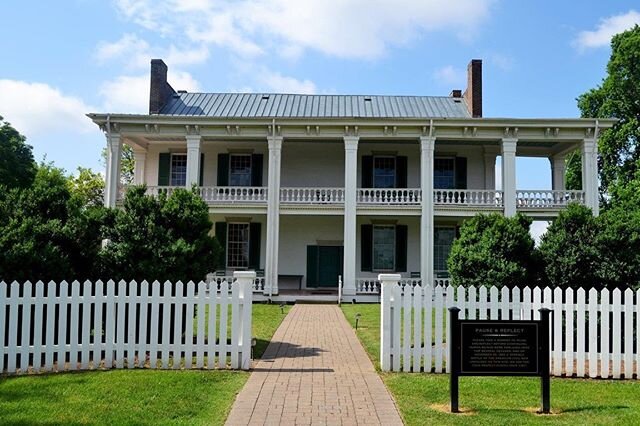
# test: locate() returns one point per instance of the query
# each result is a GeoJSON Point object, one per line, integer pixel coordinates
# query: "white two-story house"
{"type": "Point", "coordinates": [307, 188]}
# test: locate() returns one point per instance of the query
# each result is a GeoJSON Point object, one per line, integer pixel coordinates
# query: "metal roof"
{"type": "Point", "coordinates": [270, 105]}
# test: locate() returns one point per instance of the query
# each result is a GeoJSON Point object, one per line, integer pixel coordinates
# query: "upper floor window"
{"type": "Point", "coordinates": [240, 170]}
{"type": "Point", "coordinates": [178, 175]}
{"type": "Point", "coordinates": [443, 240]}
{"type": "Point", "coordinates": [238, 245]}
{"type": "Point", "coordinates": [444, 176]}
{"type": "Point", "coordinates": [384, 172]}
{"type": "Point", "coordinates": [384, 243]}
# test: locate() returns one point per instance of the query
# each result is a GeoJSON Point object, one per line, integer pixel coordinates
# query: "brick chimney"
{"type": "Point", "coordinates": [161, 90]}
{"type": "Point", "coordinates": [473, 94]}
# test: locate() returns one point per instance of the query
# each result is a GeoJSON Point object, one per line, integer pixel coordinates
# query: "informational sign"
{"type": "Point", "coordinates": [500, 348]}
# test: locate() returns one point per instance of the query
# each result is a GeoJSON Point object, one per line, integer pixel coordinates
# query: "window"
{"type": "Point", "coordinates": [443, 239]}
{"type": "Point", "coordinates": [239, 170]}
{"type": "Point", "coordinates": [384, 172]}
{"type": "Point", "coordinates": [384, 247]}
{"type": "Point", "coordinates": [178, 170]}
{"type": "Point", "coordinates": [444, 176]}
{"type": "Point", "coordinates": [238, 245]}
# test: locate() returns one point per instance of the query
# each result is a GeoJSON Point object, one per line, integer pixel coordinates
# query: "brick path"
{"type": "Point", "coordinates": [315, 371]}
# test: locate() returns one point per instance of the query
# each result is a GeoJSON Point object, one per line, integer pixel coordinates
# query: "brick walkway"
{"type": "Point", "coordinates": [314, 371]}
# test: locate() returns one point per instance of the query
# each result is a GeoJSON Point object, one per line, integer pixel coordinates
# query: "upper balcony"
{"type": "Point", "coordinates": [385, 199]}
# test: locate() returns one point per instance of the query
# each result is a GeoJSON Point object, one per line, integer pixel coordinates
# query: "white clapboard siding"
{"type": "Point", "coordinates": [125, 325]}
{"type": "Point", "coordinates": [591, 334]}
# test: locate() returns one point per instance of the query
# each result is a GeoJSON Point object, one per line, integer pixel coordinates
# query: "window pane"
{"type": "Point", "coordinates": [384, 172]}
{"type": "Point", "coordinates": [443, 239]}
{"type": "Point", "coordinates": [444, 173]}
{"type": "Point", "coordinates": [384, 244]}
{"type": "Point", "coordinates": [238, 245]}
{"type": "Point", "coordinates": [178, 170]}
{"type": "Point", "coordinates": [240, 170]}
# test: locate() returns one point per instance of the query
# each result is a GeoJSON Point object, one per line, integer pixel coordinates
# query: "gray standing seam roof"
{"type": "Point", "coordinates": [269, 105]}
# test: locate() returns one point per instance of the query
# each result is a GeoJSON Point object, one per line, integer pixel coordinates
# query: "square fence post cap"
{"type": "Point", "coordinates": [389, 278]}
{"type": "Point", "coordinates": [244, 274]}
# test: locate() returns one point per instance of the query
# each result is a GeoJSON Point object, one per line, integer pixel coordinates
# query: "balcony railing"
{"type": "Point", "coordinates": [312, 195]}
{"type": "Point", "coordinates": [372, 285]}
{"type": "Point", "coordinates": [389, 196]}
{"type": "Point", "coordinates": [216, 194]}
{"type": "Point", "coordinates": [214, 282]}
{"type": "Point", "coordinates": [468, 197]}
{"type": "Point", "coordinates": [548, 199]}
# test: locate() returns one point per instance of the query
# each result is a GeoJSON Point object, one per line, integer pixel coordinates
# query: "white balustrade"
{"type": "Point", "coordinates": [544, 199]}
{"type": "Point", "coordinates": [468, 197]}
{"type": "Point", "coordinates": [233, 194]}
{"type": "Point", "coordinates": [402, 196]}
{"type": "Point", "coordinates": [217, 280]}
{"type": "Point", "coordinates": [372, 285]}
{"type": "Point", "coordinates": [312, 195]}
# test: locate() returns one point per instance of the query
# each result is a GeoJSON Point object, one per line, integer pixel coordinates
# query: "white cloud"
{"type": "Point", "coordinates": [37, 109]}
{"type": "Point", "coordinates": [451, 76]}
{"type": "Point", "coordinates": [348, 28]}
{"type": "Point", "coordinates": [129, 45]}
{"type": "Point", "coordinates": [277, 82]}
{"type": "Point", "coordinates": [607, 28]}
{"type": "Point", "coordinates": [502, 62]}
{"type": "Point", "coordinates": [130, 94]}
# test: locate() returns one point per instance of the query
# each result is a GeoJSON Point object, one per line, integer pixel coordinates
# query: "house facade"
{"type": "Point", "coordinates": [309, 188]}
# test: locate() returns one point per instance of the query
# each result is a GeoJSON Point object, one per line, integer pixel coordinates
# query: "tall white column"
{"type": "Point", "coordinates": [490, 154]}
{"type": "Point", "coordinates": [590, 175]}
{"type": "Point", "coordinates": [558, 167]}
{"type": "Point", "coordinates": [350, 208]}
{"type": "Point", "coordinates": [509, 176]}
{"type": "Point", "coordinates": [194, 143]}
{"type": "Point", "coordinates": [112, 175]}
{"type": "Point", "coordinates": [139, 159]}
{"type": "Point", "coordinates": [427, 146]}
{"type": "Point", "coordinates": [273, 215]}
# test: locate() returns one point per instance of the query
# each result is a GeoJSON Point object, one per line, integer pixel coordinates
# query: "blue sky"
{"type": "Point", "coordinates": [63, 59]}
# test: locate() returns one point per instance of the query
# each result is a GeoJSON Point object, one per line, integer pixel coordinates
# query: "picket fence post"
{"type": "Point", "coordinates": [388, 282]}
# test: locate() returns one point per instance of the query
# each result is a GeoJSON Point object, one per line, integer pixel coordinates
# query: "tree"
{"type": "Point", "coordinates": [88, 187]}
{"type": "Point", "coordinates": [617, 97]}
{"type": "Point", "coordinates": [127, 164]}
{"type": "Point", "coordinates": [568, 249]}
{"type": "Point", "coordinates": [493, 250]}
{"type": "Point", "coordinates": [17, 167]}
{"type": "Point", "coordinates": [164, 238]}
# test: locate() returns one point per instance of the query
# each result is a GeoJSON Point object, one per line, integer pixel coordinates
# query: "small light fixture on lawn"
{"type": "Point", "coordinates": [282, 305]}
{"type": "Point", "coordinates": [254, 342]}
{"type": "Point", "coordinates": [358, 315]}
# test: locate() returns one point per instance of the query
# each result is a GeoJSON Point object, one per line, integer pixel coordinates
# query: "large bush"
{"type": "Point", "coordinates": [493, 250]}
{"type": "Point", "coordinates": [163, 238]}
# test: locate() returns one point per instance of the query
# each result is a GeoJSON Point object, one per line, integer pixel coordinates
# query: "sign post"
{"type": "Point", "coordinates": [499, 348]}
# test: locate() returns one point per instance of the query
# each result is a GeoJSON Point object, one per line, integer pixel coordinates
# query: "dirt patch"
{"type": "Point", "coordinates": [446, 408]}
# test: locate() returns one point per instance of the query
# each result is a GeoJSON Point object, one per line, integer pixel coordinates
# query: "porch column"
{"type": "Point", "coordinates": [590, 175]}
{"type": "Point", "coordinates": [490, 154]}
{"type": "Point", "coordinates": [112, 175]}
{"type": "Point", "coordinates": [427, 145]}
{"type": "Point", "coordinates": [273, 216]}
{"type": "Point", "coordinates": [558, 167]}
{"type": "Point", "coordinates": [509, 176]}
{"type": "Point", "coordinates": [194, 143]}
{"type": "Point", "coordinates": [350, 205]}
{"type": "Point", "coordinates": [139, 158]}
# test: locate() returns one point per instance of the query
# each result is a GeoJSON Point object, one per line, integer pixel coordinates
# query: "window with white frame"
{"type": "Point", "coordinates": [240, 170]}
{"type": "Point", "coordinates": [178, 170]}
{"type": "Point", "coordinates": [444, 176]}
{"type": "Point", "coordinates": [384, 247]}
{"type": "Point", "coordinates": [384, 172]}
{"type": "Point", "coordinates": [443, 240]}
{"type": "Point", "coordinates": [238, 245]}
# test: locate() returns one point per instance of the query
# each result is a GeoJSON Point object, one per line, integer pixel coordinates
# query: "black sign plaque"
{"type": "Point", "coordinates": [500, 348]}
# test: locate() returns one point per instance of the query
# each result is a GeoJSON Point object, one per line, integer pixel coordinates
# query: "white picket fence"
{"type": "Point", "coordinates": [592, 334]}
{"type": "Point", "coordinates": [79, 326]}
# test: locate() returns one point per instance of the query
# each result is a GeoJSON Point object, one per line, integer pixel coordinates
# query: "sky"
{"type": "Point", "coordinates": [63, 59]}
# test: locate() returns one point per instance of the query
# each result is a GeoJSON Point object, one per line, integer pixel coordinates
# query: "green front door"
{"type": "Point", "coordinates": [324, 264]}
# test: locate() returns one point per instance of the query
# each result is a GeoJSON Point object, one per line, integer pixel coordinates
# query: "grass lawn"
{"type": "Point", "coordinates": [424, 398]}
{"type": "Point", "coordinates": [132, 397]}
